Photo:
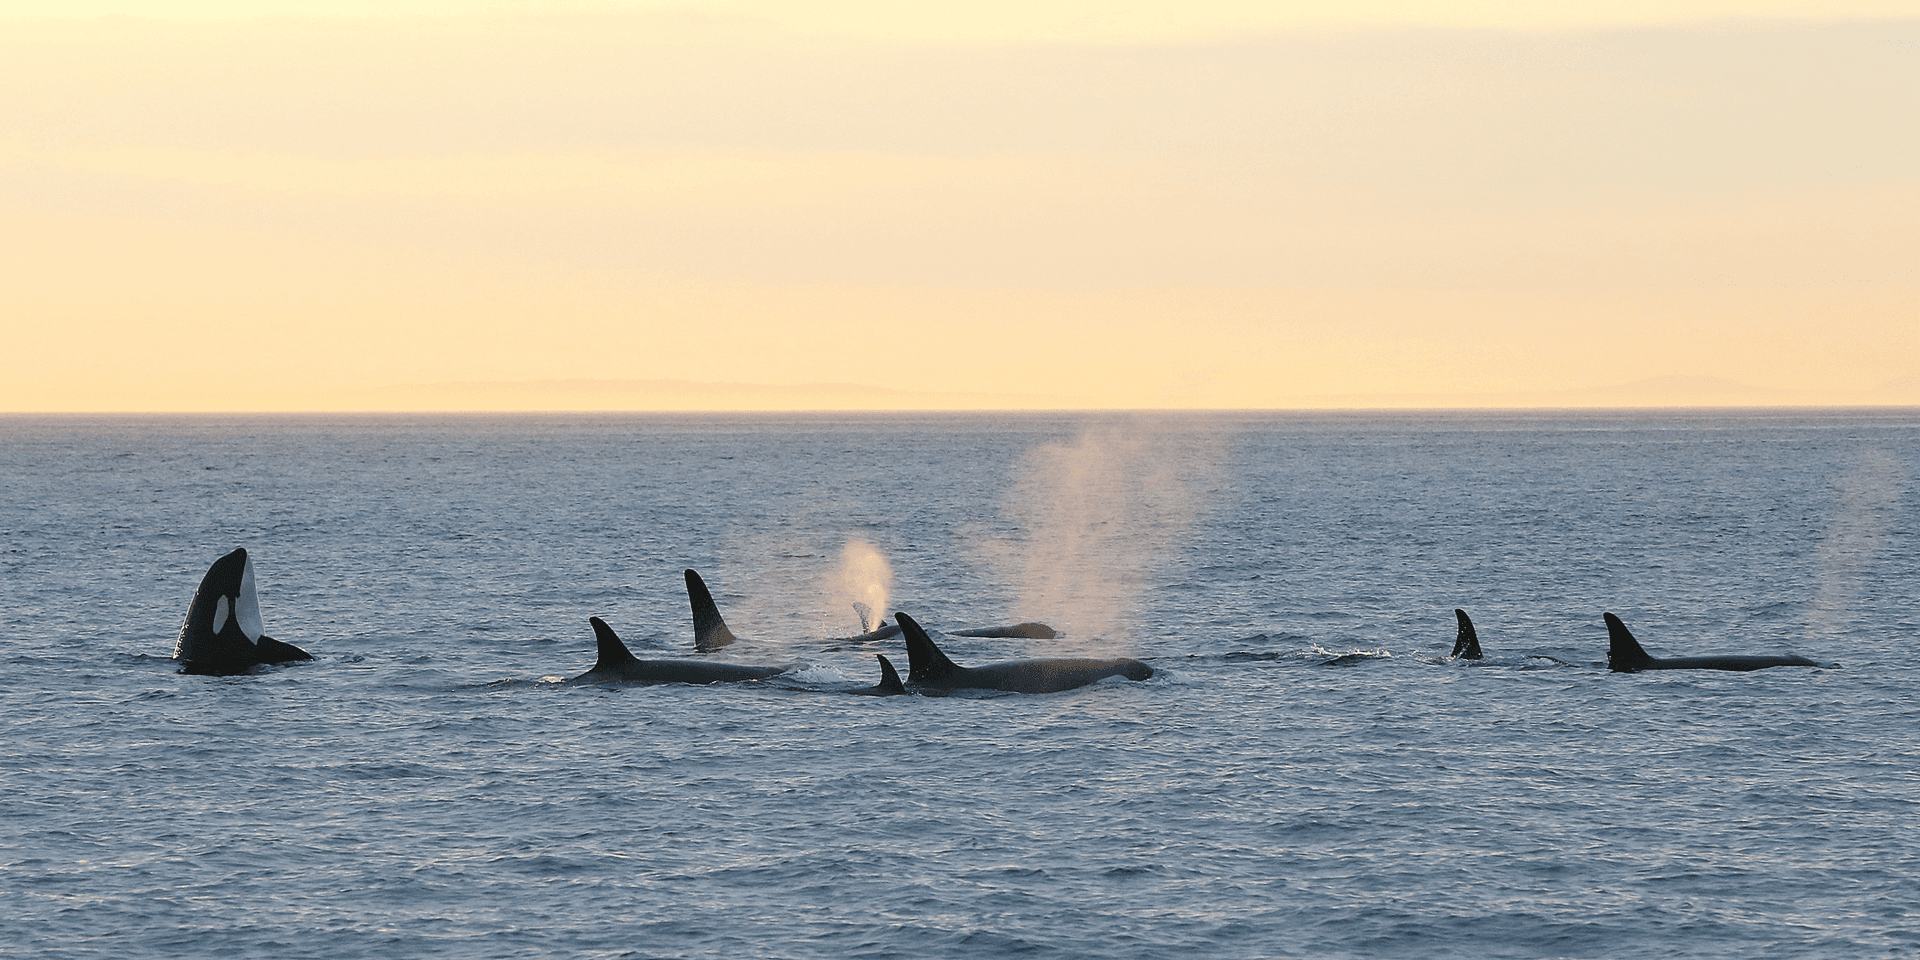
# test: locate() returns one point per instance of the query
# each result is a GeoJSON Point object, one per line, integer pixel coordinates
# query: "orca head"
{"type": "Point", "coordinates": [223, 631]}
{"type": "Point", "coordinates": [225, 610]}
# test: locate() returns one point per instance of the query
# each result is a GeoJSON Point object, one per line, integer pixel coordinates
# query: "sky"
{"type": "Point", "coordinates": [748, 204]}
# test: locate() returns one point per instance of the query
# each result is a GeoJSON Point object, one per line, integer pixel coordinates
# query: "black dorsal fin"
{"type": "Point", "coordinates": [709, 628]}
{"type": "Point", "coordinates": [1466, 645]}
{"type": "Point", "coordinates": [613, 653]}
{"type": "Point", "coordinates": [1624, 653]}
{"type": "Point", "coordinates": [925, 662]}
{"type": "Point", "coordinates": [889, 677]}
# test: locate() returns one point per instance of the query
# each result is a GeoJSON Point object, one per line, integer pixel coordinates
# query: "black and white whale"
{"type": "Point", "coordinates": [928, 668]}
{"type": "Point", "coordinates": [1625, 655]}
{"type": "Point", "coordinates": [617, 664]}
{"type": "Point", "coordinates": [223, 633]}
{"type": "Point", "coordinates": [1466, 643]}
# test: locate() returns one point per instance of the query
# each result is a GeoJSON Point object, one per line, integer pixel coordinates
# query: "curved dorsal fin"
{"type": "Point", "coordinates": [925, 662]}
{"type": "Point", "coordinates": [1466, 644]}
{"type": "Point", "coordinates": [709, 628]}
{"type": "Point", "coordinates": [1624, 653]}
{"type": "Point", "coordinates": [889, 677]}
{"type": "Point", "coordinates": [612, 652]}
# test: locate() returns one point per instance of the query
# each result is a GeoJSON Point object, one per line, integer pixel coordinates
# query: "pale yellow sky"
{"type": "Point", "coordinates": [429, 205]}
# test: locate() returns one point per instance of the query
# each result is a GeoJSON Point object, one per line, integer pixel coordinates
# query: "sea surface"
{"type": "Point", "coordinates": [1307, 774]}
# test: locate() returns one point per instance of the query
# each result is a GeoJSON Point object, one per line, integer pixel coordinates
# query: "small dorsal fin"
{"type": "Point", "coordinates": [1466, 644]}
{"type": "Point", "coordinates": [889, 677]}
{"type": "Point", "coordinates": [925, 662]}
{"type": "Point", "coordinates": [709, 628]}
{"type": "Point", "coordinates": [613, 653]}
{"type": "Point", "coordinates": [866, 616]}
{"type": "Point", "coordinates": [1624, 653]}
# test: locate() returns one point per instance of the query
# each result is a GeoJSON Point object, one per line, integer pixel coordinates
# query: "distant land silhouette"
{"type": "Point", "coordinates": [670, 396]}
{"type": "Point", "coordinates": [675, 395]}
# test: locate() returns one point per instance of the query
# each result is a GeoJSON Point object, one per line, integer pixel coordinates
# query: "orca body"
{"type": "Point", "coordinates": [1018, 631]}
{"type": "Point", "coordinates": [616, 664]}
{"type": "Point", "coordinates": [1625, 655]}
{"type": "Point", "coordinates": [710, 631]}
{"type": "Point", "coordinates": [223, 634]}
{"type": "Point", "coordinates": [928, 668]}
{"type": "Point", "coordinates": [1466, 643]}
{"type": "Point", "coordinates": [889, 685]}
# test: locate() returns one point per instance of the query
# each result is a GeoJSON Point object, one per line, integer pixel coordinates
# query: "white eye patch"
{"type": "Point", "coordinates": [220, 616]}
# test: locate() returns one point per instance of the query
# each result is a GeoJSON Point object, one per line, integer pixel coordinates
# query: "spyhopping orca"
{"type": "Point", "coordinates": [618, 665]}
{"type": "Point", "coordinates": [710, 631]}
{"type": "Point", "coordinates": [928, 667]}
{"type": "Point", "coordinates": [1466, 644]}
{"type": "Point", "coordinates": [1624, 655]}
{"type": "Point", "coordinates": [223, 634]}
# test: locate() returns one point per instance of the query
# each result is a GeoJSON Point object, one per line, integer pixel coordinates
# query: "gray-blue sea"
{"type": "Point", "coordinates": [1307, 774]}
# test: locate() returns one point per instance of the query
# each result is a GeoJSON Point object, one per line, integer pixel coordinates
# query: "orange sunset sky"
{"type": "Point", "coordinates": [748, 204]}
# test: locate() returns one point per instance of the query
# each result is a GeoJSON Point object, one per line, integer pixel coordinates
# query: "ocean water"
{"type": "Point", "coordinates": [1307, 775]}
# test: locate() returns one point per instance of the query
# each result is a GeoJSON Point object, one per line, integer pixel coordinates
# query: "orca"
{"type": "Point", "coordinates": [889, 685]}
{"type": "Point", "coordinates": [616, 664]}
{"type": "Point", "coordinates": [1466, 644]}
{"type": "Point", "coordinates": [710, 631]}
{"type": "Point", "coordinates": [928, 668]}
{"type": "Point", "coordinates": [1624, 655]}
{"type": "Point", "coordinates": [223, 634]}
{"type": "Point", "coordinates": [869, 633]}
{"type": "Point", "coordinates": [1018, 631]}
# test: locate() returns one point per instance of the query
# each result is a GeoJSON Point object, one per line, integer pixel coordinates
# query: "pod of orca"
{"type": "Point", "coordinates": [223, 635]}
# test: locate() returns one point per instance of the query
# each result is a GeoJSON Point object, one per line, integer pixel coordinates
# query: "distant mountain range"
{"type": "Point", "coordinates": [1673, 391]}
{"type": "Point", "coordinates": [693, 396]}
{"type": "Point", "coordinates": [671, 395]}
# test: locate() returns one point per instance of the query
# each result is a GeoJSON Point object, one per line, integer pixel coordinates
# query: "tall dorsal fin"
{"type": "Point", "coordinates": [709, 628]}
{"type": "Point", "coordinates": [925, 662]}
{"type": "Point", "coordinates": [1624, 653]}
{"type": "Point", "coordinates": [889, 677]}
{"type": "Point", "coordinates": [1466, 644]}
{"type": "Point", "coordinates": [612, 652]}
